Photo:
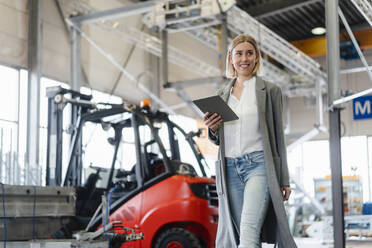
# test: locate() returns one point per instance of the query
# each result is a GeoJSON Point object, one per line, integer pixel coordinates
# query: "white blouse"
{"type": "Point", "coordinates": [243, 135]}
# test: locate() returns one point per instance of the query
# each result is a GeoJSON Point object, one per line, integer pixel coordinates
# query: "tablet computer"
{"type": "Point", "coordinates": [215, 104]}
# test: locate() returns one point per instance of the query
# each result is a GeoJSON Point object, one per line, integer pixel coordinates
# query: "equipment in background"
{"type": "Point", "coordinates": [144, 197]}
{"type": "Point", "coordinates": [353, 194]}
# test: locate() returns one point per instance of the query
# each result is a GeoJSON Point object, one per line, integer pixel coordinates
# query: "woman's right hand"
{"type": "Point", "coordinates": [213, 121]}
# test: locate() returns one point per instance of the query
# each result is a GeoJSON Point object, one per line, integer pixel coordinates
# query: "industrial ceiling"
{"type": "Point", "coordinates": [294, 19]}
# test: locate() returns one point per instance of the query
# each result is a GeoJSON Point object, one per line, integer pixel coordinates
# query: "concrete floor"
{"type": "Point", "coordinates": [313, 243]}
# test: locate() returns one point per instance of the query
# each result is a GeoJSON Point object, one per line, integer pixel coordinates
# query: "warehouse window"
{"type": "Point", "coordinates": [13, 123]}
{"type": "Point", "coordinates": [9, 165]}
{"type": "Point", "coordinates": [9, 94]}
{"type": "Point", "coordinates": [355, 162]}
{"type": "Point", "coordinates": [369, 167]}
{"type": "Point", "coordinates": [13, 131]}
{"type": "Point", "coordinates": [311, 160]}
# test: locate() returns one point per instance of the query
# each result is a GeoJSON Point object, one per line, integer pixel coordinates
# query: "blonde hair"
{"type": "Point", "coordinates": [230, 70]}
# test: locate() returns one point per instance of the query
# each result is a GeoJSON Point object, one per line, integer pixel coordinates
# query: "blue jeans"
{"type": "Point", "coordinates": [248, 195]}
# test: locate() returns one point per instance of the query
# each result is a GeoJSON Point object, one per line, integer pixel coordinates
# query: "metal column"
{"type": "Point", "coordinates": [75, 40]}
{"type": "Point", "coordinates": [71, 175]}
{"type": "Point", "coordinates": [33, 100]}
{"type": "Point", "coordinates": [155, 79]}
{"type": "Point", "coordinates": [77, 162]}
{"type": "Point", "coordinates": [54, 144]}
{"type": "Point", "coordinates": [137, 142]}
{"type": "Point", "coordinates": [118, 135]}
{"type": "Point", "coordinates": [224, 41]}
{"type": "Point", "coordinates": [164, 52]}
{"type": "Point", "coordinates": [333, 65]}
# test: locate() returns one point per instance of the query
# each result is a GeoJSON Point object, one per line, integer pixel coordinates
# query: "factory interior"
{"type": "Point", "coordinates": [102, 145]}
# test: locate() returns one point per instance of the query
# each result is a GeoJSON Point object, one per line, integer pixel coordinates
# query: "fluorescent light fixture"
{"type": "Point", "coordinates": [115, 25]}
{"type": "Point", "coordinates": [318, 30]}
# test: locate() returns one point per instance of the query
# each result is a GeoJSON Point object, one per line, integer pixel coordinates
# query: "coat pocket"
{"type": "Point", "coordinates": [218, 177]}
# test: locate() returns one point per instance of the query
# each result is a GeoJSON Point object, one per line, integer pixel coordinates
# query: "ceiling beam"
{"type": "Point", "coordinates": [315, 47]}
{"type": "Point", "coordinates": [273, 7]}
{"type": "Point", "coordinates": [117, 13]}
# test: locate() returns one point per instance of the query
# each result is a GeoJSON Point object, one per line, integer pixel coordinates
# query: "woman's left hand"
{"type": "Point", "coordinates": [286, 192]}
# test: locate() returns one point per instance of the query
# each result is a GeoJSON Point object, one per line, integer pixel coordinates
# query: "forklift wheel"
{"type": "Point", "coordinates": [177, 238]}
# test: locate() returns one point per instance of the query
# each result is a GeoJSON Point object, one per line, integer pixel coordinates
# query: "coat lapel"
{"type": "Point", "coordinates": [225, 93]}
{"type": "Point", "coordinates": [260, 95]}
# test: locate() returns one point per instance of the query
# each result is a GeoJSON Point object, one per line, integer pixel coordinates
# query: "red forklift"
{"type": "Point", "coordinates": [173, 203]}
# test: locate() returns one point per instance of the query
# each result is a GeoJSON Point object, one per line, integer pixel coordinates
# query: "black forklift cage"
{"type": "Point", "coordinates": [137, 118]}
{"type": "Point", "coordinates": [174, 146]}
{"type": "Point", "coordinates": [81, 115]}
{"type": "Point", "coordinates": [194, 148]}
{"type": "Point", "coordinates": [85, 111]}
{"type": "Point", "coordinates": [169, 169]}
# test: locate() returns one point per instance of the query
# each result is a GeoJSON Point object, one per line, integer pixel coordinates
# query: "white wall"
{"type": "Point", "coordinates": [102, 75]}
{"type": "Point", "coordinates": [13, 32]}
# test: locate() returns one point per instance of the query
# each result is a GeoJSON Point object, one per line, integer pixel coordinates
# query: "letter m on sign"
{"type": "Point", "coordinates": [362, 108]}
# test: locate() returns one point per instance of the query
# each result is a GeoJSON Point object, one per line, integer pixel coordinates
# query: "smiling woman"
{"type": "Point", "coordinates": [244, 58]}
{"type": "Point", "coordinates": [251, 173]}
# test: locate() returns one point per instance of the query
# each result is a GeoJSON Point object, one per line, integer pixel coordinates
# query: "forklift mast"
{"type": "Point", "coordinates": [56, 104]}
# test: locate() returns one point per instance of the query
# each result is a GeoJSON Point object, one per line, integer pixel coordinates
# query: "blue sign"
{"type": "Point", "coordinates": [362, 108]}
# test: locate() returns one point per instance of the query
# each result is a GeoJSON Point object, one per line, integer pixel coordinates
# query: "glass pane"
{"type": "Point", "coordinates": [42, 157]}
{"type": "Point", "coordinates": [186, 153]}
{"type": "Point", "coordinates": [153, 158]}
{"type": "Point", "coordinates": [354, 162]}
{"type": "Point", "coordinates": [8, 94]}
{"type": "Point", "coordinates": [96, 139]}
{"type": "Point", "coordinates": [97, 152]}
{"type": "Point", "coordinates": [127, 153]}
{"type": "Point", "coordinates": [164, 136]}
{"type": "Point", "coordinates": [22, 139]}
{"type": "Point", "coordinates": [369, 168]}
{"type": "Point", "coordinates": [10, 167]}
{"type": "Point", "coordinates": [315, 162]}
{"type": "Point", "coordinates": [295, 166]}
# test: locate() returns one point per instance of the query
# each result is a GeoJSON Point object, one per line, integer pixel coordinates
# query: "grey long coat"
{"type": "Point", "coordinates": [275, 228]}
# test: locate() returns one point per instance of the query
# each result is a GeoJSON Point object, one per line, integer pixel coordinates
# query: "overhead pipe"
{"type": "Point", "coordinates": [121, 68]}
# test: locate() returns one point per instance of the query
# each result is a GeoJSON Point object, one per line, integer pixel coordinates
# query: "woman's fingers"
{"type": "Point", "coordinates": [212, 121]}
{"type": "Point", "coordinates": [216, 125]}
{"type": "Point", "coordinates": [286, 192]}
{"type": "Point", "coordinates": [206, 116]}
